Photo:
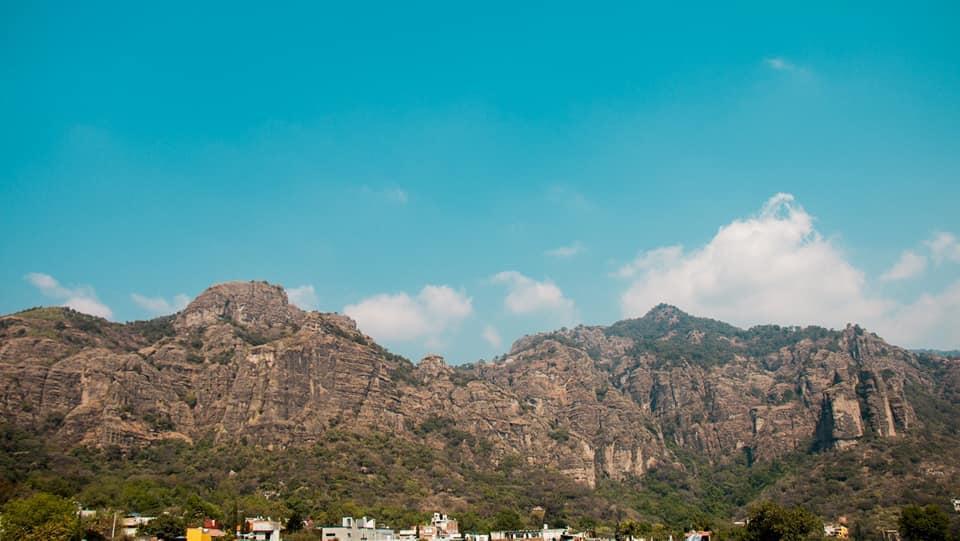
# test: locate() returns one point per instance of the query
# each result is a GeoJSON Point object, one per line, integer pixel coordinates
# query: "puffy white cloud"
{"type": "Point", "coordinates": [400, 317]}
{"type": "Point", "coordinates": [303, 297]}
{"type": "Point", "coordinates": [159, 306]}
{"type": "Point", "coordinates": [770, 268]}
{"type": "Point", "coordinates": [569, 250]}
{"type": "Point", "coordinates": [526, 296]}
{"type": "Point", "coordinates": [933, 320]}
{"type": "Point", "coordinates": [658, 257]}
{"type": "Point", "coordinates": [909, 265]}
{"type": "Point", "coordinates": [82, 299]}
{"type": "Point", "coordinates": [492, 337]}
{"type": "Point", "coordinates": [775, 267]}
{"type": "Point", "coordinates": [944, 246]}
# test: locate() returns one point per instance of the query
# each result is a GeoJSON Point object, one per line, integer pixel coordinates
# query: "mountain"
{"type": "Point", "coordinates": [242, 368]}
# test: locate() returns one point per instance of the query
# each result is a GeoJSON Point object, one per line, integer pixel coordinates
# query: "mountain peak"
{"type": "Point", "coordinates": [666, 312]}
{"type": "Point", "coordinates": [253, 303]}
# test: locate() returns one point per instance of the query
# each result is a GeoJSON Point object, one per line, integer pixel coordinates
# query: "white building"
{"type": "Point", "coordinates": [441, 528]}
{"type": "Point", "coordinates": [261, 529]}
{"type": "Point", "coordinates": [131, 523]}
{"type": "Point", "coordinates": [362, 529]}
{"type": "Point", "coordinates": [546, 534]}
{"type": "Point", "coordinates": [956, 504]}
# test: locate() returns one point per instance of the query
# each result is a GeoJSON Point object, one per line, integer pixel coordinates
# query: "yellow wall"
{"type": "Point", "coordinates": [197, 534]}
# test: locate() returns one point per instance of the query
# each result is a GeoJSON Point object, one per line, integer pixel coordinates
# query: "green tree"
{"type": "Point", "coordinates": [928, 523]}
{"type": "Point", "coordinates": [40, 517]}
{"type": "Point", "coordinates": [632, 528]}
{"type": "Point", "coordinates": [772, 522]}
{"type": "Point", "coordinates": [295, 522]}
{"type": "Point", "coordinates": [507, 519]}
{"type": "Point", "coordinates": [165, 527]}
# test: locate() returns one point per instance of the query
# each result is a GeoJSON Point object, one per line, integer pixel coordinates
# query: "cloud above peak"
{"type": "Point", "coordinates": [528, 296]}
{"type": "Point", "coordinates": [908, 266]}
{"type": "Point", "coordinates": [773, 267]}
{"type": "Point", "coordinates": [303, 297]}
{"type": "Point", "coordinates": [401, 317]}
{"type": "Point", "coordinates": [159, 306]}
{"type": "Point", "coordinates": [82, 298]}
{"type": "Point", "coordinates": [944, 247]}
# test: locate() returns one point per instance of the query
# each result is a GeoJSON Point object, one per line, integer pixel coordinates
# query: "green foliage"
{"type": "Point", "coordinates": [769, 521]}
{"type": "Point", "coordinates": [40, 517]}
{"type": "Point", "coordinates": [295, 522]}
{"type": "Point", "coordinates": [165, 527]}
{"type": "Point", "coordinates": [155, 329]}
{"type": "Point", "coordinates": [929, 523]}
{"type": "Point", "coordinates": [507, 519]}
{"type": "Point", "coordinates": [633, 528]}
{"type": "Point", "coordinates": [704, 341]}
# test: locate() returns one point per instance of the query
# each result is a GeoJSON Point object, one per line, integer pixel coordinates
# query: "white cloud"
{"type": "Point", "coordinates": [779, 63]}
{"type": "Point", "coordinates": [527, 296]}
{"type": "Point", "coordinates": [944, 246]}
{"type": "Point", "coordinates": [159, 306]}
{"type": "Point", "coordinates": [303, 297]}
{"type": "Point", "coordinates": [933, 320]}
{"type": "Point", "coordinates": [658, 257]}
{"type": "Point", "coordinates": [775, 267]}
{"type": "Point", "coordinates": [82, 299]}
{"type": "Point", "coordinates": [909, 265]}
{"type": "Point", "coordinates": [566, 251]}
{"type": "Point", "coordinates": [770, 268]}
{"type": "Point", "coordinates": [492, 336]}
{"type": "Point", "coordinates": [400, 317]}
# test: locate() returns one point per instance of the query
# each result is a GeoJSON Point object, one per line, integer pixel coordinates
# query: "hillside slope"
{"type": "Point", "coordinates": [671, 404]}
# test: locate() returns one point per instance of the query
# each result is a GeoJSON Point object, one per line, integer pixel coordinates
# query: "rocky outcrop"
{"type": "Point", "coordinates": [241, 364]}
{"type": "Point", "coordinates": [257, 306]}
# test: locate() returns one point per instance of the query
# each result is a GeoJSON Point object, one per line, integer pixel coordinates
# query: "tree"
{"type": "Point", "coordinates": [631, 528]}
{"type": "Point", "coordinates": [41, 516]}
{"type": "Point", "coordinates": [507, 519]}
{"type": "Point", "coordinates": [295, 522]}
{"type": "Point", "coordinates": [772, 522]}
{"type": "Point", "coordinates": [165, 527]}
{"type": "Point", "coordinates": [928, 523]}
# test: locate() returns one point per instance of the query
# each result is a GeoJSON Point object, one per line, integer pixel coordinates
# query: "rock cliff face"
{"type": "Point", "coordinates": [241, 364]}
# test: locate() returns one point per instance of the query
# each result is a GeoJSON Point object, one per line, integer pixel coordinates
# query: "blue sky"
{"type": "Point", "coordinates": [457, 176]}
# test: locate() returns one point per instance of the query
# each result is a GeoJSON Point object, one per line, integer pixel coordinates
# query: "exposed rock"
{"type": "Point", "coordinates": [241, 364]}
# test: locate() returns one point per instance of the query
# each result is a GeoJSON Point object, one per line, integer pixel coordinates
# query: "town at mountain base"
{"type": "Point", "coordinates": [665, 418]}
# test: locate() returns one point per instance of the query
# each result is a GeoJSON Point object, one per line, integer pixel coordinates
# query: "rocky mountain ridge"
{"type": "Point", "coordinates": [241, 364]}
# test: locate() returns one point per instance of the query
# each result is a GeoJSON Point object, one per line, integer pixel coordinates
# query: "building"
{"type": "Point", "coordinates": [836, 530]}
{"type": "Point", "coordinates": [131, 523]}
{"type": "Point", "coordinates": [260, 529]}
{"type": "Point", "coordinates": [476, 537]}
{"type": "Point", "coordinates": [956, 504]}
{"type": "Point", "coordinates": [204, 534]}
{"type": "Point", "coordinates": [441, 527]}
{"type": "Point", "coordinates": [362, 529]}
{"type": "Point", "coordinates": [545, 534]}
{"type": "Point", "coordinates": [697, 536]}
{"type": "Point", "coordinates": [407, 535]}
